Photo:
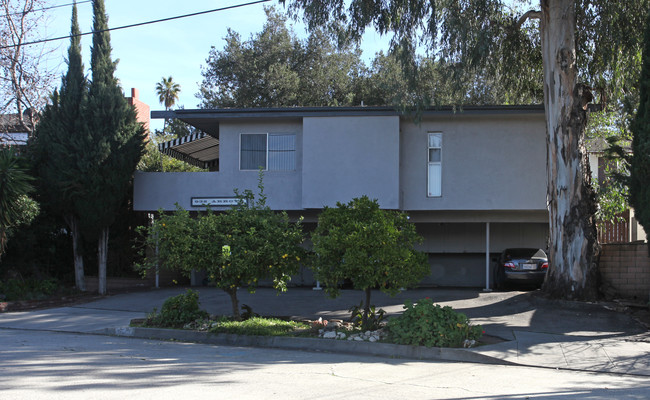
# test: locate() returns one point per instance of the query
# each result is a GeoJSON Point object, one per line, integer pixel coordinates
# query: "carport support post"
{"type": "Point", "coordinates": [487, 258]}
{"type": "Point", "coordinates": [151, 219]}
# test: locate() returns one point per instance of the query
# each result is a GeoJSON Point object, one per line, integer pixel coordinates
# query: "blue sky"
{"type": "Point", "coordinates": [178, 48]}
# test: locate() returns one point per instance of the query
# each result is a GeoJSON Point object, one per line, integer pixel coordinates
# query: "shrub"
{"type": "Point", "coordinates": [177, 311]}
{"type": "Point", "coordinates": [27, 289]}
{"type": "Point", "coordinates": [374, 320]}
{"type": "Point", "coordinates": [430, 325]}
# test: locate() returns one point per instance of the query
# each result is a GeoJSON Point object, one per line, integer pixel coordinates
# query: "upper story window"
{"type": "Point", "coordinates": [434, 169]}
{"type": "Point", "coordinates": [269, 151]}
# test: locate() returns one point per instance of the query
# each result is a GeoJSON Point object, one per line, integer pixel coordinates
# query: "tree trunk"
{"type": "Point", "coordinates": [573, 245]}
{"type": "Point", "coordinates": [102, 256]}
{"type": "Point", "coordinates": [80, 279]}
{"type": "Point", "coordinates": [235, 303]}
{"type": "Point", "coordinates": [366, 309]}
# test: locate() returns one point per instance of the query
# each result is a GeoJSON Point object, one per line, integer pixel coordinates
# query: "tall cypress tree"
{"type": "Point", "coordinates": [57, 147]}
{"type": "Point", "coordinates": [116, 143]}
{"type": "Point", "coordinates": [640, 163]}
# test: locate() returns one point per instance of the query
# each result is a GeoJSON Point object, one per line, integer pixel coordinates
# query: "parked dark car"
{"type": "Point", "coordinates": [522, 265]}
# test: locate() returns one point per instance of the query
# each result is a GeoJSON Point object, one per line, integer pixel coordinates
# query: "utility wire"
{"type": "Point", "coordinates": [138, 24]}
{"type": "Point", "coordinates": [50, 8]}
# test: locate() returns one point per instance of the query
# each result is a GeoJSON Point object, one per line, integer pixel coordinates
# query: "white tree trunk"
{"type": "Point", "coordinates": [79, 277]}
{"type": "Point", "coordinates": [573, 243]}
{"type": "Point", "coordinates": [102, 256]}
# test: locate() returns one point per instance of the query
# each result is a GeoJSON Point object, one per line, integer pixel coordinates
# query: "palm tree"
{"type": "Point", "coordinates": [167, 92]}
{"type": "Point", "coordinates": [14, 187]}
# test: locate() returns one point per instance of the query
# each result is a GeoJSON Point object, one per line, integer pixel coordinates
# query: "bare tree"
{"type": "Point", "coordinates": [26, 81]}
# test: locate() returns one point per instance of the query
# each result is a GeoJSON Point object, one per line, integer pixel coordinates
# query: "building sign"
{"type": "Point", "coordinates": [214, 201]}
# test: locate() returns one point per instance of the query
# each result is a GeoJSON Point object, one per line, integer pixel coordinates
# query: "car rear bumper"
{"type": "Point", "coordinates": [526, 276]}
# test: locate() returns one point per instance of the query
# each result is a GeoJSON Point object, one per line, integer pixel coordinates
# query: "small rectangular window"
{"type": "Point", "coordinates": [434, 168]}
{"type": "Point", "coordinates": [273, 152]}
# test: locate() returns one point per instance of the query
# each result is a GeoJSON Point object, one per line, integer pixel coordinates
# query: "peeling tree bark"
{"type": "Point", "coordinates": [573, 245]}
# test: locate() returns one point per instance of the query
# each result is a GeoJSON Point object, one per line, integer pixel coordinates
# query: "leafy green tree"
{"type": "Point", "coordinates": [566, 42]}
{"type": "Point", "coordinates": [237, 248]}
{"type": "Point", "coordinates": [371, 247]}
{"type": "Point", "coordinates": [114, 143]}
{"type": "Point", "coordinates": [258, 243]}
{"type": "Point", "coordinates": [174, 128]}
{"type": "Point", "coordinates": [16, 207]}
{"type": "Point", "coordinates": [640, 162]}
{"type": "Point", "coordinates": [608, 135]}
{"type": "Point", "coordinates": [274, 69]}
{"type": "Point", "coordinates": [437, 82]}
{"type": "Point", "coordinates": [154, 161]}
{"type": "Point", "coordinates": [59, 145]}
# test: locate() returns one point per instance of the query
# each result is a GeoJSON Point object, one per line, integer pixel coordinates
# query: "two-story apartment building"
{"type": "Point", "coordinates": [473, 180]}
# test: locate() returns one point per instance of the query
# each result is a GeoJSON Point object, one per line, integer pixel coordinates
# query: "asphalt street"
{"type": "Point", "coordinates": [59, 365]}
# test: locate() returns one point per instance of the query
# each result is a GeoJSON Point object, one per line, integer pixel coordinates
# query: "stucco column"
{"type": "Point", "coordinates": [487, 258]}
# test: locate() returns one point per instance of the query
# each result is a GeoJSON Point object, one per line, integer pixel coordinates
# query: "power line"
{"type": "Point", "coordinates": [51, 7]}
{"type": "Point", "coordinates": [139, 24]}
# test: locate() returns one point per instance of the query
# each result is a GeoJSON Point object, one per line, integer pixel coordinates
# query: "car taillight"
{"type": "Point", "coordinates": [510, 265]}
{"type": "Point", "coordinates": [545, 265]}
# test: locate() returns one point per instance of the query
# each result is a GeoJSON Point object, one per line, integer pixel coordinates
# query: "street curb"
{"type": "Point", "coordinates": [308, 344]}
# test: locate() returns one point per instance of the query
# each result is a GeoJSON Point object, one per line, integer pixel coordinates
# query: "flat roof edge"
{"type": "Point", "coordinates": [298, 112]}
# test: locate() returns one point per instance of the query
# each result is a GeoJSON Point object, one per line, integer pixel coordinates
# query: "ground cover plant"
{"type": "Point", "coordinates": [259, 326]}
{"type": "Point", "coordinates": [422, 324]}
{"type": "Point", "coordinates": [426, 324]}
{"type": "Point", "coordinates": [183, 312]}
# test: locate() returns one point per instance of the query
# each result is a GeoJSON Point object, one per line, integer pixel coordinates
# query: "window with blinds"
{"type": "Point", "coordinates": [269, 151]}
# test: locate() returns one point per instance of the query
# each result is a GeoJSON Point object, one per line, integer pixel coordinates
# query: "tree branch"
{"type": "Point", "coordinates": [532, 14]}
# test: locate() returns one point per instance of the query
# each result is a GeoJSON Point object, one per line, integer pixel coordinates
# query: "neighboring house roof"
{"type": "Point", "coordinates": [12, 132]}
{"type": "Point", "coordinates": [203, 150]}
{"type": "Point", "coordinates": [600, 145]}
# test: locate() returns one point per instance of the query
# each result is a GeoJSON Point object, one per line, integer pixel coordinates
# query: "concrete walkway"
{"type": "Point", "coordinates": [537, 332]}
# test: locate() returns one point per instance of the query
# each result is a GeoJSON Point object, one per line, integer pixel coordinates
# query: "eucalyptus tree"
{"type": "Point", "coordinates": [577, 48]}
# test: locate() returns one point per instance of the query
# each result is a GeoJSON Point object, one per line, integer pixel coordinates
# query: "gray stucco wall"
{"type": "Point", "coordinates": [347, 157]}
{"type": "Point", "coordinates": [488, 163]}
{"type": "Point", "coordinates": [470, 237]}
{"type": "Point", "coordinates": [283, 188]}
